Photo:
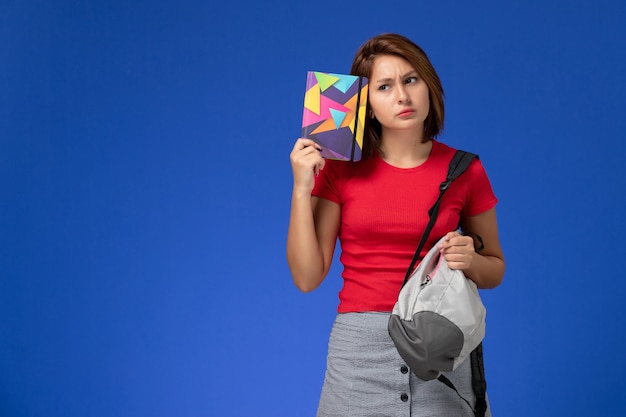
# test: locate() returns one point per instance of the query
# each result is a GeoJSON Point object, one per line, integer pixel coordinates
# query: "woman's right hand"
{"type": "Point", "coordinates": [306, 162]}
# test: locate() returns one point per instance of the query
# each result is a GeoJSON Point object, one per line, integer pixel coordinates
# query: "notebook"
{"type": "Point", "coordinates": [334, 113]}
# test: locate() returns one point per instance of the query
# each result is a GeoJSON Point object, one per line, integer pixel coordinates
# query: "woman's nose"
{"type": "Point", "coordinates": [402, 94]}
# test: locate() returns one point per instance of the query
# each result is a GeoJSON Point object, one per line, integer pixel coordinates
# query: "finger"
{"type": "Point", "coordinates": [451, 258]}
{"type": "Point", "coordinates": [448, 240]}
{"type": "Point", "coordinates": [458, 240]}
{"type": "Point", "coordinates": [303, 143]}
{"type": "Point", "coordinates": [307, 156]}
{"type": "Point", "coordinates": [311, 155]}
{"type": "Point", "coordinates": [456, 261]}
{"type": "Point", "coordinates": [308, 161]}
{"type": "Point", "coordinates": [319, 165]}
{"type": "Point", "coordinates": [461, 253]}
{"type": "Point", "coordinates": [456, 265]}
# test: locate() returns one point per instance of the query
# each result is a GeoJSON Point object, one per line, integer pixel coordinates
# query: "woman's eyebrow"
{"type": "Point", "coordinates": [387, 79]}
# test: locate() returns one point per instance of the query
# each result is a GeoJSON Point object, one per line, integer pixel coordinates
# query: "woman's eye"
{"type": "Point", "coordinates": [411, 80]}
{"type": "Point", "coordinates": [383, 87]}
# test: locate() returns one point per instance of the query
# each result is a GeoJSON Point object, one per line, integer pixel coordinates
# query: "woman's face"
{"type": "Point", "coordinates": [398, 97]}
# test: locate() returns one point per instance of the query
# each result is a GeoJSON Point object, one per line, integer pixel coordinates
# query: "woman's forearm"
{"type": "Point", "coordinates": [304, 253]}
{"type": "Point", "coordinates": [486, 271]}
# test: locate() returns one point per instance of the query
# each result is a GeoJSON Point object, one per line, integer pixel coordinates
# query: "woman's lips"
{"type": "Point", "coordinates": [406, 112]}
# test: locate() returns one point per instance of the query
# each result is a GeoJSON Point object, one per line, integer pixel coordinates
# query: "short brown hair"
{"type": "Point", "coordinates": [394, 44]}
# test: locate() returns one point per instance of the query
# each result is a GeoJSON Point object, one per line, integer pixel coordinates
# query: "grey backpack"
{"type": "Point", "coordinates": [439, 318]}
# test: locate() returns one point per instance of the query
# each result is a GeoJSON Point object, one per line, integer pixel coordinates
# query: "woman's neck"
{"type": "Point", "coordinates": [404, 150]}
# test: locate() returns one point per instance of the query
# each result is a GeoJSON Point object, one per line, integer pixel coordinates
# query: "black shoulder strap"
{"type": "Point", "coordinates": [458, 165]}
{"type": "Point", "coordinates": [479, 383]}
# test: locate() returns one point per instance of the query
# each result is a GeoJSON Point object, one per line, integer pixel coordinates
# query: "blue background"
{"type": "Point", "coordinates": [145, 182]}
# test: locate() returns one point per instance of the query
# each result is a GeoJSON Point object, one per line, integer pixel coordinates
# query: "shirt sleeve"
{"type": "Point", "coordinates": [327, 182]}
{"type": "Point", "coordinates": [480, 195]}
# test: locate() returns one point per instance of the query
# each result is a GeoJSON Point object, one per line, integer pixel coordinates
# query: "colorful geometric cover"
{"type": "Point", "coordinates": [334, 113]}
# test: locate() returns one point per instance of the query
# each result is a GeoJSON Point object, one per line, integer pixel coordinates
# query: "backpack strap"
{"type": "Point", "coordinates": [479, 383]}
{"type": "Point", "coordinates": [458, 165]}
{"type": "Point", "coordinates": [446, 381]}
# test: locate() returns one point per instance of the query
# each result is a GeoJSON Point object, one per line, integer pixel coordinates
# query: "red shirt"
{"type": "Point", "coordinates": [384, 210]}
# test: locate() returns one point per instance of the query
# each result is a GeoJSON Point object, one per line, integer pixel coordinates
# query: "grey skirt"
{"type": "Point", "coordinates": [365, 376]}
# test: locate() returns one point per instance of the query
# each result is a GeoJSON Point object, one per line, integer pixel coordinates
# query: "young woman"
{"type": "Point", "coordinates": [377, 208]}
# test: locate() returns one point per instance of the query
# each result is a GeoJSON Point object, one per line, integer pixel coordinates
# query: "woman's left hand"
{"type": "Point", "coordinates": [458, 251]}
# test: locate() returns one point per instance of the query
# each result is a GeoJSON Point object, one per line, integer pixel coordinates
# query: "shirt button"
{"type": "Point", "coordinates": [404, 369]}
{"type": "Point", "coordinates": [404, 397]}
